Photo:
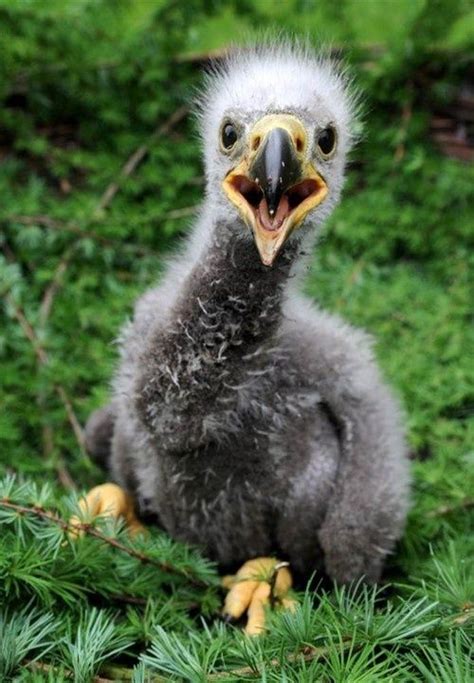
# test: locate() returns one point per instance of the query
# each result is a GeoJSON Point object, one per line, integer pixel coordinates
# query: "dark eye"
{"type": "Point", "coordinates": [229, 135]}
{"type": "Point", "coordinates": [327, 141]}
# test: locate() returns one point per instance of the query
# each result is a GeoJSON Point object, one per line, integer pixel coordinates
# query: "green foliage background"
{"type": "Point", "coordinates": [83, 85]}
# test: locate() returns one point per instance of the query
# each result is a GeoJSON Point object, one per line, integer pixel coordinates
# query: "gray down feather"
{"type": "Point", "coordinates": [246, 419]}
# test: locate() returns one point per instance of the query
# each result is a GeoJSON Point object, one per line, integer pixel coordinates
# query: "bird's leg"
{"type": "Point", "coordinates": [107, 500]}
{"type": "Point", "coordinates": [259, 583]}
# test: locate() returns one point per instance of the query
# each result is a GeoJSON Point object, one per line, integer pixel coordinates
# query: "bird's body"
{"type": "Point", "coordinates": [248, 420]}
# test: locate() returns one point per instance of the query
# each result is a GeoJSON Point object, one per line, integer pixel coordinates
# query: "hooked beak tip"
{"type": "Point", "coordinates": [277, 165]}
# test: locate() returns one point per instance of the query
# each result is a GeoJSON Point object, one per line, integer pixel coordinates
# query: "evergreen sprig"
{"type": "Point", "coordinates": [58, 552]}
{"type": "Point", "coordinates": [26, 633]}
{"type": "Point", "coordinates": [347, 637]}
{"type": "Point", "coordinates": [85, 646]}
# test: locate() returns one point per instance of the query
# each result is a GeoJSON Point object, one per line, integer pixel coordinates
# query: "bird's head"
{"type": "Point", "coordinates": [277, 123]}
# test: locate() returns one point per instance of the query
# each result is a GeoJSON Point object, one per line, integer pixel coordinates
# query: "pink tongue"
{"type": "Point", "coordinates": [275, 222]}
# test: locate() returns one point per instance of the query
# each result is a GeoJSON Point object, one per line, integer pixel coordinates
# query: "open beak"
{"type": "Point", "coordinates": [274, 186]}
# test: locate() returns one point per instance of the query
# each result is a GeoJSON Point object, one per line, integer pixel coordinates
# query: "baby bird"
{"type": "Point", "coordinates": [248, 421]}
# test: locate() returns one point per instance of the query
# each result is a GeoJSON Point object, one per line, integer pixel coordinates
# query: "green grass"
{"type": "Point", "coordinates": [395, 259]}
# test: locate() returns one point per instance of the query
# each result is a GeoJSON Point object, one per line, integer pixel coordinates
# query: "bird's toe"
{"type": "Point", "coordinates": [259, 584]}
{"type": "Point", "coordinates": [107, 500]}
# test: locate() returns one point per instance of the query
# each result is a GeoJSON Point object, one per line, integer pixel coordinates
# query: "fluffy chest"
{"type": "Point", "coordinates": [239, 467]}
{"type": "Point", "coordinates": [222, 498]}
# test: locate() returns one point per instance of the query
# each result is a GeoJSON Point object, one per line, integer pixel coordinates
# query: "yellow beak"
{"type": "Point", "coordinates": [274, 186]}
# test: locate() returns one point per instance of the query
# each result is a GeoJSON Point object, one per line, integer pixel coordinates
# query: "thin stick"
{"type": "Point", "coordinates": [63, 226]}
{"type": "Point", "coordinates": [448, 509]}
{"type": "Point", "coordinates": [73, 528]}
{"type": "Point", "coordinates": [44, 312]}
{"type": "Point", "coordinates": [74, 422]}
{"type": "Point", "coordinates": [54, 286]}
{"type": "Point", "coordinates": [120, 673]}
{"type": "Point", "coordinates": [137, 156]}
{"type": "Point", "coordinates": [181, 213]}
{"type": "Point", "coordinates": [50, 668]}
{"type": "Point", "coordinates": [200, 57]}
{"type": "Point", "coordinates": [407, 114]}
{"type": "Point", "coordinates": [308, 654]}
{"type": "Point", "coordinates": [43, 359]}
{"type": "Point", "coordinates": [64, 477]}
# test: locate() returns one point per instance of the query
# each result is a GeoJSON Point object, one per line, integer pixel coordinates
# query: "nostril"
{"type": "Point", "coordinates": [299, 144]}
{"type": "Point", "coordinates": [256, 142]}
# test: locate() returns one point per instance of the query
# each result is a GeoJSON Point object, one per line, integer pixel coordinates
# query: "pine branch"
{"type": "Point", "coordinates": [73, 528]}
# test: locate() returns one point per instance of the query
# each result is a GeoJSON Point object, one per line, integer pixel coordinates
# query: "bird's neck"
{"type": "Point", "coordinates": [230, 296]}
{"type": "Point", "coordinates": [220, 331]}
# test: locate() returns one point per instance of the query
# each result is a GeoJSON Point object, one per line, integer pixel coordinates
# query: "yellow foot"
{"type": "Point", "coordinates": [259, 583]}
{"type": "Point", "coordinates": [107, 500]}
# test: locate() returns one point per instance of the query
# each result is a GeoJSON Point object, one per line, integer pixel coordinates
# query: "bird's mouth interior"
{"type": "Point", "coordinates": [307, 192]}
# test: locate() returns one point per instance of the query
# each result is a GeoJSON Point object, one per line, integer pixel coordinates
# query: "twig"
{"type": "Point", "coordinates": [137, 156]}
{"type": "Point", "coordinates": [50, 668]}
{"type": "Point", "coordinates": [47, 430]}
{"type": "Point", "coordinates": [121, 673]}
{"type": "Point", "coordinates": [220, 53]}
{"type": "Point", "coordinates": [44, 311]}
{"type": "Point", "coordinates": [135, 600]}
{"type": "Point", "coordinates": [200, 57]}
{"type": "Point", "coordinates": [307, 654]}
{"type": "Point", "coordinates": [47, 668]}
{"type": "Point", "coordinates": [75, 229]}
{"type": "Point", "coordinates": [128, 599]}
{"type": "Point", "coordinates": [181, 213]}
{"type": "Point", "coordinates": [43, 359]}
{"type": "Point", "coordinates": [64, 477]}
{"type": "Point", "coordinates": [74, 422]}
{"type": "Point", "coordinates": [407, 113]}
{"type": "Point", "coordinates": [53, 287]}
{"type": "Point", "coordinates": [74, 527]}
{"type": "Point", "coordinates": [448, 509]}
{"type": "Point", "coordinates": [466, 615]}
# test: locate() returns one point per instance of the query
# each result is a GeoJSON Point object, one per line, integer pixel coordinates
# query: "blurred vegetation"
{"type": "Point", "coordinates": [86, 85]}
